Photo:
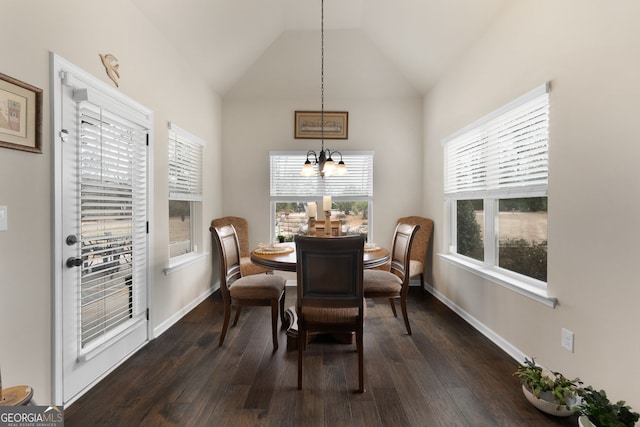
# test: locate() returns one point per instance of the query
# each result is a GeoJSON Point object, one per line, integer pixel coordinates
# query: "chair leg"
{"type": "Point", "coordinates": [302, 339]}
{"type": "Point", "coordinates": [274, 323]}
{"type": "Point", "coordinates": [422, 282]}
{"type": "Point", "coordinates": [393, 307]}
{"type": "Point", "coordinates": [225, 324]}
{"type": "Point", "coordinates": [282, 298]}
{"type": "Point", "coordinates": [359, 343]}
{"type": "Point", "coordinates": [403, 306]}
{"type": "Point", "coordinates": [237, 316]}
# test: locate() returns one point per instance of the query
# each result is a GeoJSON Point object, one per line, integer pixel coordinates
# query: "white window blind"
{"type": "Point", "coordinates": [502, 154]}
{"type": "Point", "coordinates": [287, 182]}
{"type": "Point", "coordinates": [113, 188]}
{"type": "Point", "coordinates": [185, 165]}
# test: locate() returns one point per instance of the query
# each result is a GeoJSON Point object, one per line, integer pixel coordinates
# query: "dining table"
{"type": "Point", "coordinates": [282, 257]}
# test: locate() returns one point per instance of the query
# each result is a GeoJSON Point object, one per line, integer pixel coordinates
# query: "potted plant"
{"type": "Point", "coordinates": [597, 410]}
{"type": "Point", "coordinates": [550, 392]}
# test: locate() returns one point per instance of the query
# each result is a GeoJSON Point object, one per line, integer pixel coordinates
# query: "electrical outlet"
{"type": "Point", "coordinates": [567, 340]}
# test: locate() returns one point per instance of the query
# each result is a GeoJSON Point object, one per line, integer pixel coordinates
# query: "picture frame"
{"type": "Point", "coordinates": [20, 115]}
{"type": "Point", "coordinates": [308, 125]}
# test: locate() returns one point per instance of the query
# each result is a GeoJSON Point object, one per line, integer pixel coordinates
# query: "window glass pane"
{"type": "Point", "coordinates": [179, 227]}
{"type": "Point", "coordinates": [469, 237]}
{"type": "Point", "coordinates": [291, 218]}
{"type": "Point", "coordinates": [522, 236]}
{"type": "Point", "coordinates": [354, 217]}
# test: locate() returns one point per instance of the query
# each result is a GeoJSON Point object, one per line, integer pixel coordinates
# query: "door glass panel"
{"type": "Point", "coordinates": [107, 221]}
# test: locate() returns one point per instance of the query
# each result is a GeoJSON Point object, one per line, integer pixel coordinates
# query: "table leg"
{"type": "Point", "coordinates": [291, 319]}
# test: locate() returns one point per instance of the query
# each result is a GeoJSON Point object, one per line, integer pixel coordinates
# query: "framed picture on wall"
{"type": "Point", "coordinates": [308, 125]}
{"type": "Point", "coordinates": [20, 115]}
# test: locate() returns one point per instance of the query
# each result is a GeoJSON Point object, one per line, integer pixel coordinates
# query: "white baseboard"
{"type": "Point", "coordinates": [506, 346]}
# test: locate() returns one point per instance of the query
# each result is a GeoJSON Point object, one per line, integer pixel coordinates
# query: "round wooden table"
{"type": "Point", "coordinates": [284, 259]}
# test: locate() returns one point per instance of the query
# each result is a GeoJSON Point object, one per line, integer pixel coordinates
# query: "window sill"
{"type": "Point", "coordinates": [522, 287]}
{"type": "Point", "coordinates": [182, 261]}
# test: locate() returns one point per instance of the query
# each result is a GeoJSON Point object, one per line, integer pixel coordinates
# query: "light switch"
{"type": "Point", "coordinates": [3, 218]}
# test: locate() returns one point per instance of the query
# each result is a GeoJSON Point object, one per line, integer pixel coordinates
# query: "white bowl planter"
{"type": "Point", "coordinates": [583, 421]}
{"type": "Point", "coordinates": [547, 403]}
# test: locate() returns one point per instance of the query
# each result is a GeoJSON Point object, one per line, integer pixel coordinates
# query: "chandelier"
{"type": "Point", "coordinates": [323, 158]}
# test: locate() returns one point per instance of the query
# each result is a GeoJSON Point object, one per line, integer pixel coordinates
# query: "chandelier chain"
{"type": "Point", "coordinates": [323, 159]}
{"type": "Point", "coordinates": [322, 74]}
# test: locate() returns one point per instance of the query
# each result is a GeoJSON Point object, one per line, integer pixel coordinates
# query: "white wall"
{"type": "Point", "coordinates": [589, 51]}
{"type": "Point", "coordinates": [152, 74]}
{"type": "Point", "coordinates": [385, 115]}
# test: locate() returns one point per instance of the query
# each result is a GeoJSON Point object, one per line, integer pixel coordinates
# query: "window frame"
{"type": "Point", "coordinates": [316, 196]}
{"type": "Point", "coordinates": [473, 189]}
{"type": "Point", "coordinates": [190, 192]}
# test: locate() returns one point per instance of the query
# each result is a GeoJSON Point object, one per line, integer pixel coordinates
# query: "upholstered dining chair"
{"type": "Point", "coordinates": [394, 284]}
{"type": "Point", "coordinates": [420, 247]}
{"type": "Point", "coordinates": [330, 293]}
{"type": "Point", "coordinates": [242, 230]}
{"type": "Point", "coordinates": [253, 290]}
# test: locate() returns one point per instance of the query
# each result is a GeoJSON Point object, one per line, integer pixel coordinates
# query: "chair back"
{"type": "Point", "coordinates": [422, 238]}
{"type": "Point", "coordinates": [227, 242]}
{"type": "Point", "coordinates": [329, 272]}
{"type": "Point", "coordinates": [401, 251]}
{"type": "Point", "coordinates": [242, 231]}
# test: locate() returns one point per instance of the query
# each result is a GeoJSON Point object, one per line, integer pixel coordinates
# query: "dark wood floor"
{"type": "Point", "coordinates": [445, 374]}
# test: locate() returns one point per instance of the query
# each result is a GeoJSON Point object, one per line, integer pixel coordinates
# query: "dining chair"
{"type": "Point", "coordinates": [421, 246]}
{"type": "Point", "coordinates": [253, 290]}
{"type": "Point", "coordinates": [330, 294]}
{"type": "Point", "coordinates": [394, 284]}
{"type": "Point", "coordinates": [242, 230]}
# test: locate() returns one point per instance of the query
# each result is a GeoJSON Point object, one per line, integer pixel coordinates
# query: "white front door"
{"type": "Point", "coordinates": [101, 228]}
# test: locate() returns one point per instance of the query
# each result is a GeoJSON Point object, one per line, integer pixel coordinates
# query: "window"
{"type": "Point", "coordinates": [495, 186]}
{"type": "Point", "coordinates": [185, 190]}
{"type": "Point", "coordinates": [352, 194]}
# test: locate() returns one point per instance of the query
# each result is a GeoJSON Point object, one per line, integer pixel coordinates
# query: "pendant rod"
{"type": "Point", "coordinates": [322, 73]}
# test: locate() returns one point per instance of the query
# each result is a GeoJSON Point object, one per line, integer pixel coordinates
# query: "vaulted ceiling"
{"type": "Point", "coordinates": [222, 39]}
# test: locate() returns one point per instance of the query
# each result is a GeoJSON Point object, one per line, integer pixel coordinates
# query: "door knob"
{"type": "Point", "coordinates": [74, 262]}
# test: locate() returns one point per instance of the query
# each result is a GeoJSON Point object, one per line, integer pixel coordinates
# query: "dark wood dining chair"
{"type": "Point", "coordinates": [421, 246]}
{"type": "Point", "coordinates": [242, 230]}
{"type": "Point", "coordinates": [330, 294]}
{"type": "Point", "coordinates": [253, 290]}
{"type": "Point", "coordinates": [394, 284]}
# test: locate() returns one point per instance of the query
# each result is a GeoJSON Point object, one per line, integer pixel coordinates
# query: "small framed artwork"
{"type": "Point", "coordinates": [20, 115]}
{"type": "Point", "coordinates": [309, 125]}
